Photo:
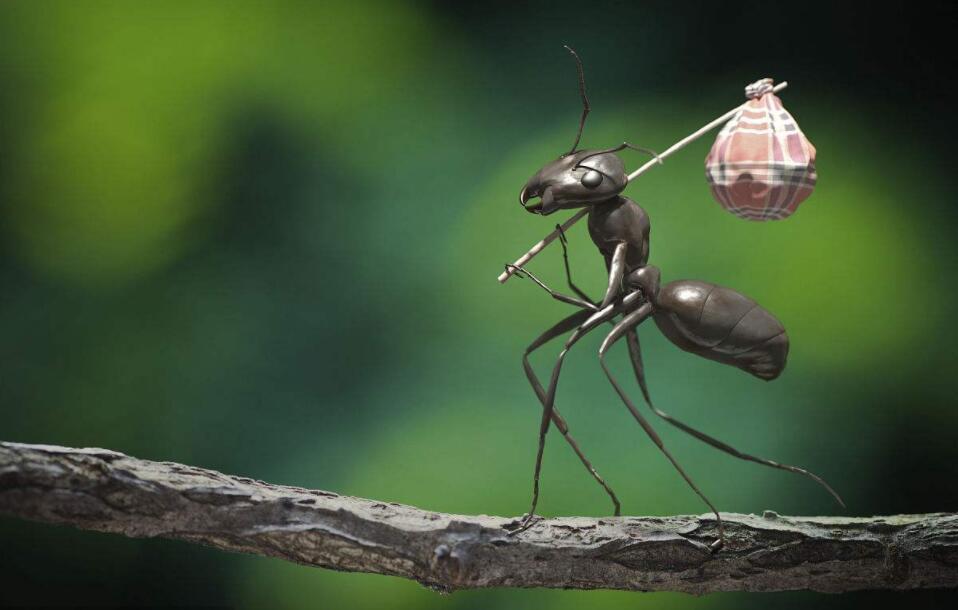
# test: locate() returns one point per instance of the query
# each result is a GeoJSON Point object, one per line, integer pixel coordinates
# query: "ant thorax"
{"type": "Point", "coordinates": [621, 220]}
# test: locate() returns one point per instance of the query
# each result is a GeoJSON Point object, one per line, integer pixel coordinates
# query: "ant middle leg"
{"type": "Point", "coordinates": [628, 322]}
{"type": "Point", "coordinates": [635, 352]}
{"type": "Point", "coordinates": [560, 328]}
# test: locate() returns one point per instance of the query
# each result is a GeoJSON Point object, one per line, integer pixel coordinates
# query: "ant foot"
{"type": "Point", "coordinates": [528, 520]}
{"type": "Point", "coordinates": [516, 270]}
{"type": "Point", "coordinates": [521, 272]}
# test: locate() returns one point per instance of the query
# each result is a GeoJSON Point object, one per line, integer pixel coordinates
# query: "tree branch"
{"type": "Point", "coordinates": [107, 491]}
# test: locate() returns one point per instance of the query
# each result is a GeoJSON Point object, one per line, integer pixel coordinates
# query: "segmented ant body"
{"type": "Point", "coordinates": [699, 317]}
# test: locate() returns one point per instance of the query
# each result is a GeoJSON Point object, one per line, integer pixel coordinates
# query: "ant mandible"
{"type": "Point", "coordinates": [699, 317]}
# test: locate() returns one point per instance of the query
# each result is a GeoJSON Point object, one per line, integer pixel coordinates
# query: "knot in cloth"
{"type": "Point", "coordinates": [759, 88]}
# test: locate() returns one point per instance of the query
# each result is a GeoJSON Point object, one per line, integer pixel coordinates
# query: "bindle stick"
{"type": "Point", "coordinates": [539, 247]}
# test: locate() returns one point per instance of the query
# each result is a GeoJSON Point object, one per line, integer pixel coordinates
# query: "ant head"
{"type": "Point", "coordinates": [575, 180]}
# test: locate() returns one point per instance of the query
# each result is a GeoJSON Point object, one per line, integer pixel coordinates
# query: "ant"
{"type": "Point", "coordinates": [699, 317]}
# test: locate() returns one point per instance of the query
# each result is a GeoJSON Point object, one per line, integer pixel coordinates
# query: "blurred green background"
{"type": "Point", "coordinates": [262, 237]}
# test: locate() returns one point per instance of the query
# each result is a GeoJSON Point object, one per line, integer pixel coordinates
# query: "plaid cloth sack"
{"type": "Point", "coordinates": [761, 166]}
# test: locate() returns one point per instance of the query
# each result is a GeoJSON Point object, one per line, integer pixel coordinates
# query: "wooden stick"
{"type": "Point", "coordinates": [536, 249]}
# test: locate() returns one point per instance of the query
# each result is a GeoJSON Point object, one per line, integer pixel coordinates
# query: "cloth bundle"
{"type": "Point", "coordinates": [761, 166]}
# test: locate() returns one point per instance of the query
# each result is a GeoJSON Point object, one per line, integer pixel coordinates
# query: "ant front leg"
{"type": "Point", "coordinates": [523, 272]}
{"type": "Point", "coordinates": [568, 272]}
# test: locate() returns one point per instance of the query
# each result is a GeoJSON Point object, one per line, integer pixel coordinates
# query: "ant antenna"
{"type": "Point", "coordinates": [585, 99]}
{"type": "Point", "coordinates": [623, 146]}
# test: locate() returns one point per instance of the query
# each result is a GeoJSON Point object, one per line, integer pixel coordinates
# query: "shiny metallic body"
{"type": "Point", "coordinates": [723, 325]}
{"type": "Point", "coordinates": [699, 317]}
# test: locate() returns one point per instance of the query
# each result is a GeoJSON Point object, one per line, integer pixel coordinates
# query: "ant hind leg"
{"type": "Point", "coordinates": [629, 322]}
{"type": "Point", "coordinates": [635, 352]}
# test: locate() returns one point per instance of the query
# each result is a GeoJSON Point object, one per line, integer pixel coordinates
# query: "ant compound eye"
{"type": "Point", "coordinates": [591, 179]}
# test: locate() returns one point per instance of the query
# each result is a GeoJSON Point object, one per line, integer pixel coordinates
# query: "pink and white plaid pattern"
{"type": "Point", "coordinates": [761, 166]}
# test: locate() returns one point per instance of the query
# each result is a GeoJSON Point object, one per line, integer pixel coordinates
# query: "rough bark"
{"type": "Point", "coordinates": [107, 491]}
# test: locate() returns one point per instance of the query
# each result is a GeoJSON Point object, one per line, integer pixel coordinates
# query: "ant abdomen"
{"type": "Point", "coordinates": [723, 325]}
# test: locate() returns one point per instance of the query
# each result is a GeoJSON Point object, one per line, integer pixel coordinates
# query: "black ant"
{"type": "Point", "coordinates": [711, 321]}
